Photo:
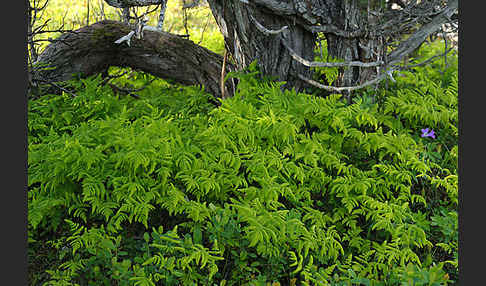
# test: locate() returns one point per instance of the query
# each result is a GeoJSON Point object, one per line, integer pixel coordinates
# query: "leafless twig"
{"type": "Point", "coordinates": [53, 84]}
{"type": "Point", "coordinates": [223, 69]}
{"type": "Point", "coordinates": [313, 64]}
{"type": "Point", "coordinates": [427, 61]}
{"type": "Point", "coordinates": [343, 88]}
{"type": "Point", "coordinates": [204, 29]}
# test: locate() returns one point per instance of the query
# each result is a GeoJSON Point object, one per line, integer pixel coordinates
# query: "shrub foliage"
{"type": "Point", "coordinates": [270, 187]}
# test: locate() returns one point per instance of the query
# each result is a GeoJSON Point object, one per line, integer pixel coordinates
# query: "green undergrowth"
{"type": "Point", "coordinates": [271, 187]}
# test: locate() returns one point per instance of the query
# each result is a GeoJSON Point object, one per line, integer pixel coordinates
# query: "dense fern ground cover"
{"type": "Point", "coordinates": [270, 188]}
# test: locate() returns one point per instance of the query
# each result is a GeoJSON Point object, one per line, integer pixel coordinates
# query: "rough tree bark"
{"type": "Point", "coordinates": [92, 49]}
{"type": "Point", "coordinates": [281, 35]}
{"type": "Point", "coordinates": [245, 42]}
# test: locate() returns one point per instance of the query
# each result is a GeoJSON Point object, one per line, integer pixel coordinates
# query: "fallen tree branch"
{"type": "Point", "coordinates": [92, 49]}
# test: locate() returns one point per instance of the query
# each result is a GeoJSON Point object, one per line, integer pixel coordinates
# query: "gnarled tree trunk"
{"type": "Point", "coordinates": [279, 34]}
{"type": "Point", "coordinates": [245, 42]}
{"type": "Point", "coordinates": [357, 32]}
{"type": "Point", "coordinates": [340, 21]}
{"type": "Point", "coordinates": [92, 49]}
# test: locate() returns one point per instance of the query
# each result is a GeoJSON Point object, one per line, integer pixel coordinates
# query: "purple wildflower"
{"type": "Point", "coordinates": [427, 133]}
